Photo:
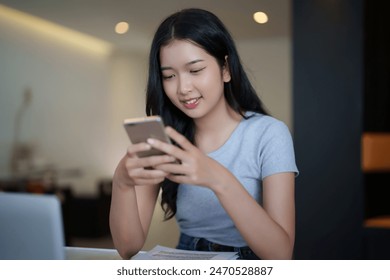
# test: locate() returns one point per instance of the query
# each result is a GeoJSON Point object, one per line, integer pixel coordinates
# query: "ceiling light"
{"type": "Point", "coordinates": [260, 17]}
{"type": "Point", "coordinates": [121, 27]}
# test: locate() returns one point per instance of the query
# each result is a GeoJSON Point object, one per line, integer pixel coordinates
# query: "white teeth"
{"type": "Point", "coordinates": [191, 101]}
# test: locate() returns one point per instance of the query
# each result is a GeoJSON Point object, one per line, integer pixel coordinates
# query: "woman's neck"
{"type": "Point", "coordinates": [213, 130]}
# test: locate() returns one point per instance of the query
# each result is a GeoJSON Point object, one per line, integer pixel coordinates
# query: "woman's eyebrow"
{"type": "Point", "coordinates": [194, 61]}
{"type": "Point", "coordinates": [187, 64]}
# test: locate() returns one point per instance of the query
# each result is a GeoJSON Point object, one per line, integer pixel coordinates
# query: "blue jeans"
{"type": "Point", "coordinates": [187, 242]}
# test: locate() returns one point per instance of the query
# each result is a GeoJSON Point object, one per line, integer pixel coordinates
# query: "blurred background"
{"type": "Point", "coordinates": [69, 75]}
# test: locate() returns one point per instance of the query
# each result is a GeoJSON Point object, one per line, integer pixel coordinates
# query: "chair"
{"type": "Point", "coordinates": [376, 163]}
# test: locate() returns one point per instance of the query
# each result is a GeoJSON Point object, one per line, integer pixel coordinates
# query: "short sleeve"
{"type": "Point", "coordinates": [277, 150]}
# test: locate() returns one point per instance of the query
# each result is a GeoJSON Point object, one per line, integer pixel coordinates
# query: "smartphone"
{"type": "Point", "coordinates": [140, 129]}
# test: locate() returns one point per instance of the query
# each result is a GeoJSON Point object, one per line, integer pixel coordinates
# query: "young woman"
{"type": "Point", "coordinates": [229, 178]}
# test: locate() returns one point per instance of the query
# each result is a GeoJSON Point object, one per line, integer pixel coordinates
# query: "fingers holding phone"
{"type": "Point", "coordinates": [195, 167]}
{"type": "Point", "coordinates": [140, 129]}
{"type": "Point", "coordinates": [142, 157]}
{"type": "Point", "coordinates": [139, 171]}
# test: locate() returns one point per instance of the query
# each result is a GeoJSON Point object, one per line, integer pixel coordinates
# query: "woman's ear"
{"type": "Point", "coordinates": [226, 71]}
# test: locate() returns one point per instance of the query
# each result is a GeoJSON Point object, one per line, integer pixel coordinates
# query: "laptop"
{"type": "Point", "coordinates": [31, 227]}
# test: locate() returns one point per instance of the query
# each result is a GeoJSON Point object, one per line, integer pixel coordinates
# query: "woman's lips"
{"type": "Point", "coordinates": [191, 103]}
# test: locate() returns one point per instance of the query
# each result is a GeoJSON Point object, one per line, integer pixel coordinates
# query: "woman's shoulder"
{"type": "Point", "coordinates": [264, 122]}
{"type": "Point", "coordinates": [265, 128]}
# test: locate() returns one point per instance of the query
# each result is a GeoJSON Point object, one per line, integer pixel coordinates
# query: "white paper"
{"type": "Point", "coordinates": [166, 253]}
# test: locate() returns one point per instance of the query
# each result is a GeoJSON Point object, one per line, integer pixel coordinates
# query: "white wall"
{"type": "Point", "coordinates": [68, 111]}
{"type": "Point", "coordinates": [80, 98]}
{"type": "Point", "coordinates": [268, 64]}
{"type": "Point", "coordinates": [127, 83]}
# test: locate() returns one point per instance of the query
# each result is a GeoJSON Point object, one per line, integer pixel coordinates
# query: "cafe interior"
{"type": "Point", "coordinates": [72, 71]}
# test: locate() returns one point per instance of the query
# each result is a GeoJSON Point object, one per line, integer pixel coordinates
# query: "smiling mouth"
{"type": "Point", "coordinates": [191, 103]}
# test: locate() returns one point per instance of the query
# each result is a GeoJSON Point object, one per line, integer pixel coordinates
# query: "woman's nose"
{"type": "Point", "coordinates": [185, 85]}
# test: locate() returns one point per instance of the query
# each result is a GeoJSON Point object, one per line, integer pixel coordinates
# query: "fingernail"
{"type": "Point", "coordinates": [150, 141]}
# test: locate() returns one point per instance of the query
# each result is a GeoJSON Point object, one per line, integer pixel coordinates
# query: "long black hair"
{"type": "Point", "coordinates": [205, 30]}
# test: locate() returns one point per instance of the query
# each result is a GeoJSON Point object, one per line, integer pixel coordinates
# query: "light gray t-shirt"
{"type": "Point", "coordinates": [258, 147]}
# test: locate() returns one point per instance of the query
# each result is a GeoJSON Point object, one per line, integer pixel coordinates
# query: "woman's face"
{"type": "Point", "coordinates": [192, 79]}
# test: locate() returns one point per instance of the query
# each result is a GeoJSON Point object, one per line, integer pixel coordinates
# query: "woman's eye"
{"type": "Point", "coordinates": [197, 70]}
{"type": "Point", "coordinates": [167, 77]}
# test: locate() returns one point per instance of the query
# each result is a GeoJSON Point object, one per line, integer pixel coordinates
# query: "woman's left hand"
{"type": "Point", "coordinates": [193, 167]}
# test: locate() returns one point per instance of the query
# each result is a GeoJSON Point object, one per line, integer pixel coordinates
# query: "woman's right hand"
{"type": "Point", "coordinates": [133, 170]}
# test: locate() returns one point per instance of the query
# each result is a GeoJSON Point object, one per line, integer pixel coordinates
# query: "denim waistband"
{"type": "Point", "coordinates": [187, 242]}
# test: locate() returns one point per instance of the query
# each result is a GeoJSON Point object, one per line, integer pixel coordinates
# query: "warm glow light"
{"type": "Point", "coordinates": [260, 17]}
{"type": "Point", "coordinates": [61, 33]}
{"type": "Point", "coordinates": [121, 27]}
